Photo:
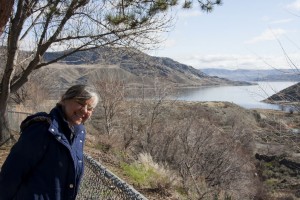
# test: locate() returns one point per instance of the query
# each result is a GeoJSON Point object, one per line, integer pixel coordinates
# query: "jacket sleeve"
{"type": "Point", "coordinates": [22, 159]}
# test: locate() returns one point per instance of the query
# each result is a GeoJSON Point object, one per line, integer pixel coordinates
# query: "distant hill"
{"type": "Point", "coordinates": [255, 75]}
{"type": "Point", "coordinates": [130, 66]}
{"type": "Point", "coordinates": [290, 94]}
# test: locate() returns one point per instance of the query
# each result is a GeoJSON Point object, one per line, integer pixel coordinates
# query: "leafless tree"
{"type": "Point", "coordinates": [6, 7]}
{"type": "Point", "coordinates": [111, 94]}
{"type": "Point", "coordinates": [207, 158]}
{"type": "Point", "coordinates": [35, 92]}
{"type": "Point", "coordinates": [211, 153]}
{"type": "Point", "coordinates": [144, 116]}
{"type": "Point", "coordinates": [38, 26]}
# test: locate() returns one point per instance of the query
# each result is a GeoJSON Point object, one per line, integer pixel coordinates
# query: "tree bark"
{"type": "Point", "coordinates": [6, 7]}
{"type": "Point", "coordinates": [5, 12]}
{"type": "Point", "coordinates": [4, 131]}
{"type": "Point", "coordinates": [12, 46]}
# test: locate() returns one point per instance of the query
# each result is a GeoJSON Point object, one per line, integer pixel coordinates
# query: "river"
{"type": "Point", "coordinates": [246, 96]}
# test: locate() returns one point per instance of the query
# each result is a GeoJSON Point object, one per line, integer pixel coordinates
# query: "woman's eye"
{"type": "Point", "coordinates": [88, 107]}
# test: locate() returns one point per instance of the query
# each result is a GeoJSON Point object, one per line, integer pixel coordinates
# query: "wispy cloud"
{"type": "Point", "coordinates": [282, 21]}
{"type": "Point", "coordinates": [237, 61]}
{"type": "Point", "coordinates": [294, 5]}
{"type": "Point", "coordinates": [216, 61]}
{"type": "Point", "coordinates": [270, 34]}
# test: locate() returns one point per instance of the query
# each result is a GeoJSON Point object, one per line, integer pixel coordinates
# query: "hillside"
{"type": "Point", "coordinates": [290, 94]}
{"type": "Point", "coordinates": [255, 75]}
{"type": "Point", "coordinates": [132, 67]}
{"type": "Point", "coordinates": [234, 152]}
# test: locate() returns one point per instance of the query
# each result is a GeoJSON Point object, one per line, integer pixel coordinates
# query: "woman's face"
{"type": "Point", "coordinates": [76, 111]}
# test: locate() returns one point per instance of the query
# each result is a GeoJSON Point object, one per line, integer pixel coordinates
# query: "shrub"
{"type": "Point", "coordinates": [147, 174]}
{"type": "Point", "coordinates": [271, 182]}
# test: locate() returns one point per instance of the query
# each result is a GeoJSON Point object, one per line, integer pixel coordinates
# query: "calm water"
{"type": "Point", "coordinates": [245, 96]}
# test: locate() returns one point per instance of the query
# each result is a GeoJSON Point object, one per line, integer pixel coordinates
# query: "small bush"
{"type": "Point", "coordinates": [147, 174]}
{"type": "Point", "coordinates": [271, 182]}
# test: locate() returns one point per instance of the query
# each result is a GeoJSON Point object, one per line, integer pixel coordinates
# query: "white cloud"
{"type": "Point", "coordinates": [294, 6]}
{"type": "Point", "coordinates": [270, 34]}
{"type": "Point", "coordinates": [282, 21]}
{"type": "Point", "coordinates": [270, 20]}
{"type": "Point", "coordinates": [238, 61]}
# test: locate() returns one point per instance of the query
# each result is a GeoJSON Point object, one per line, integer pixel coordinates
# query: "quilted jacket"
{"type": "Point", "coordinates": [47, 161]}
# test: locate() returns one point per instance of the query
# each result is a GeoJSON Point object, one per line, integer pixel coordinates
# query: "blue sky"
{"type": "Point", "coordinates": [237, 35]}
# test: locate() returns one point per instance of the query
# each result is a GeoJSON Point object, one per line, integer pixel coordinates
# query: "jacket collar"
{"type": "Point", "coordinates": [60, 123]}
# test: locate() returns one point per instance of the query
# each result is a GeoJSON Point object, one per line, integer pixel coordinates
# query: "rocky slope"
{"type": "Point", "coordinates": [290, 94]}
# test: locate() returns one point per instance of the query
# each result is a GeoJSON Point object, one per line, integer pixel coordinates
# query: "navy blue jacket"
{"type": "Point", "coordinates": [47, 161]}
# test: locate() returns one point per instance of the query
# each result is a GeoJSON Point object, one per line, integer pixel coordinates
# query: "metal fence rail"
{"type": "Point", "coordinates": [98, 183]}
{"type": "Point", "coordinates": [15, 118]}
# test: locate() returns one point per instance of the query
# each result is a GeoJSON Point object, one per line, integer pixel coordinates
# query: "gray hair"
{"type": "Point", "coordinates": [81, 93]}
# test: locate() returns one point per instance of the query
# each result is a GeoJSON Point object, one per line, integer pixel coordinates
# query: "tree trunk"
{"type": "Point", "coordinates": [5, 92]}
{"type": "Point", "coordinates": [6, 7]}
{"type": "Point", "coordinates": [12, 53]}
{"type": "Point", "coordinates": [4, 131]}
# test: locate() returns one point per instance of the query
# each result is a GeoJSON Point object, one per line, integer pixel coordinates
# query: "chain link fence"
{"type": "Point", "coordinates": [15, 119]}
{"type": "Point", "coordinates": [98, 183]}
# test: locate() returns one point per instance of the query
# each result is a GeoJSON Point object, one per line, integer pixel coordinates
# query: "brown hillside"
{"type": "Point", "coordinates": [290, 94]}
{"type": "Point", "coordinates": [133, 67]}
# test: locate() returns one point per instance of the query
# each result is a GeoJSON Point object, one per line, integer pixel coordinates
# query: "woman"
{"type": "Point", "coordinates": [47, 161]}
